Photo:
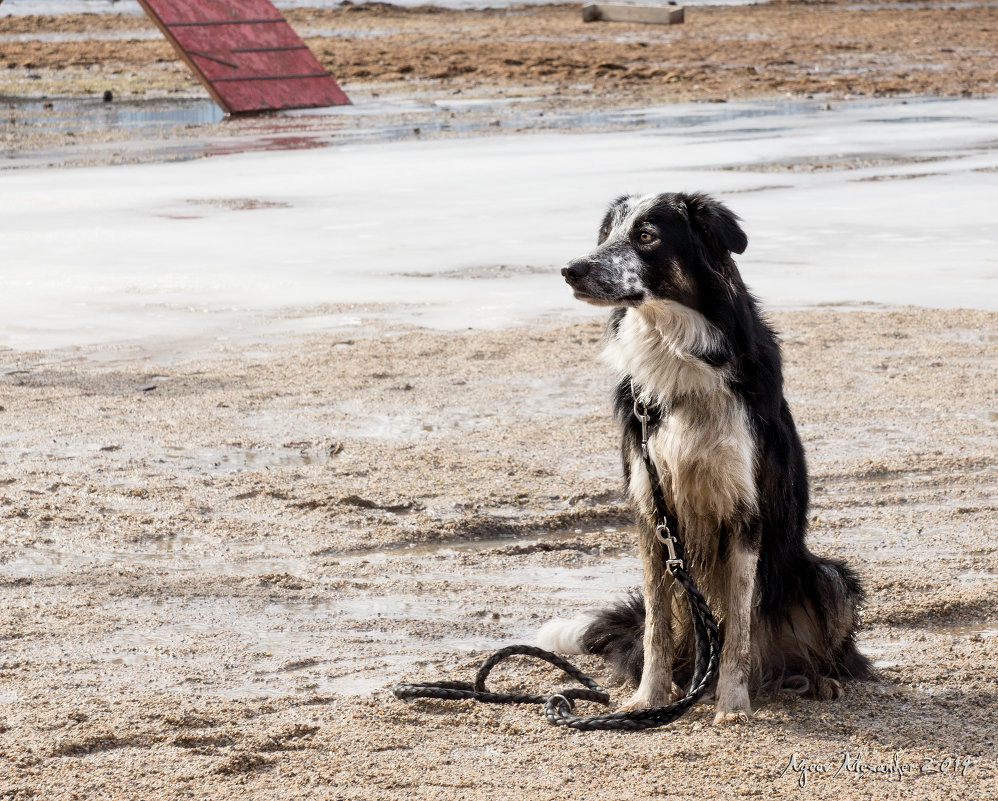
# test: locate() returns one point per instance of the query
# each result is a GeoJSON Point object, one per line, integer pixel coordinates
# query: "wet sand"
{"type": "Point", "coordinates": [882, 48]}
{"type": "Point", "coordinates": [213, 568]}
{"type": "Point", "coordinates": [496, 70]}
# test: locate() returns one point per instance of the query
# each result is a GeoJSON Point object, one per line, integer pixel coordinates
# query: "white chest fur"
{"type": "Point", "coordinates": [704, 448]}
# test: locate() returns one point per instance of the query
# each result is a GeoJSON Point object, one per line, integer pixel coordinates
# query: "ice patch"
{"type": "Point", "coordinates": [207, 248]}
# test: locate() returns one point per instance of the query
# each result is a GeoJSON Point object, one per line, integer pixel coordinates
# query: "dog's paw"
{"type": "Point", "coordinates": [633, 705]}
{"type": "Point", "coordinates": [828, 689]}
{"type": "Point", "coordinates": [636, 702]}
{"type": "Point", "coordinates": [738, 716]}
{"type": "Point", "coordinates": [733, 704]}
{"type": "Point", "coordinates": [645, 699]}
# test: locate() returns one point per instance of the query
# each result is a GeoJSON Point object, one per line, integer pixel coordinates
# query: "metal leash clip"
{"type": "Point", "coordinates": [641, 412]}
{"type": "Point", "coordinates": [666, 537]}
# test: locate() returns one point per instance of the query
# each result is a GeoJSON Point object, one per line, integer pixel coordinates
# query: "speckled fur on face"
{"type": "Point", "coordinates": [635, 259]}
{"type": "Point", "coordinates": [617, 272]}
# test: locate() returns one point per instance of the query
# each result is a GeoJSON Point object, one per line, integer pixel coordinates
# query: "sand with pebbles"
{"type": "Point", "coordinates": [213, 568]}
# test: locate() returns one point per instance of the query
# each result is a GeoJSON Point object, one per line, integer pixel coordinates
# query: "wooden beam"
{"type": "Point", "coordinates": [617, 12]}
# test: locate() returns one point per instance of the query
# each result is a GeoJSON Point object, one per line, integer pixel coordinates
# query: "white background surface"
{"type": "Point", "coordinates": [136, 253]}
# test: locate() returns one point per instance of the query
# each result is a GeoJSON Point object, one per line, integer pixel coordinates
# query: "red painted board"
{"type": "Point", "coordinates": [245, 54]}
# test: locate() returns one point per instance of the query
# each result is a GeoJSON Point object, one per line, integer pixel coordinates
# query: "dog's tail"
{"type": "Point", "coordinates": [616, 634]}
{"type": "Point", "coordinates": [565, 636]}
{"type": "Point", "coordinates": [839, 586]}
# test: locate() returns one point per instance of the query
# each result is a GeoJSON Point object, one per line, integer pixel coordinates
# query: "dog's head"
{"type": "Point", "coordinates": [674, 247]}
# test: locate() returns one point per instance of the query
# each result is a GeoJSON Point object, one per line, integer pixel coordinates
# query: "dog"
{"type": "Point", "coordinates": [686, 339]}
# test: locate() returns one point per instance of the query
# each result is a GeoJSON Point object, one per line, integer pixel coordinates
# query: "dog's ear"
{"type": "Point", "coordinates": [716, 223]}
{"type": "Point", "coordinates": [612, 216]}
{"type": "Point", "coordinates": [604, 228]}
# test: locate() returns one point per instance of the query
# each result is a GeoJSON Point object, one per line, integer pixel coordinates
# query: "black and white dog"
{"type": "Point", "coordinates": [685, 333]}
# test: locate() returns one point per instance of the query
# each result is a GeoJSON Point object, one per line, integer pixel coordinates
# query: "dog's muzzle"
{"type": "Point", "coordinates": [576, 270]}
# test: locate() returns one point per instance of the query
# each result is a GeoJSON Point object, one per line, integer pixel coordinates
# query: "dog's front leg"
{"type": "Point", "coordinates": [656, 687]}
{"type": "Point", "coordinates": [736, 653]}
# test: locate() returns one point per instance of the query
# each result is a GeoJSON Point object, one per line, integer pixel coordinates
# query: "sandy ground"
{"type": "Point", "coordinates": [511, 69]}
{"type": "Point", "coordinates": [213, 568]}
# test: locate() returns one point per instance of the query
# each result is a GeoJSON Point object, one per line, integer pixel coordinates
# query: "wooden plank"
{"type": "Point", "coordinates": [245, 53]}
{"type": "Point", "coordinates": [617, 12]}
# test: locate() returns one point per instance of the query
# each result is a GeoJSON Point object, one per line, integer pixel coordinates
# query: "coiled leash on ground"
{"type": "Point", "coordinates": [558, 708]}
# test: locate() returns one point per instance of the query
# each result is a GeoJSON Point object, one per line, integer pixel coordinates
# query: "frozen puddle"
{"type": "Point", "coordinates": [549, 396]}
{"type": "Point", "coordinates": [344, 647]}
{"type": "Point", "coordinates": [184, 554]}
{"type": "Point", "coordinates": [896, 211]}
{"type": "Point", "coordinates": [887, 652]}
{"type": "Point", "coordinates": [398, 609]}
{"type": "Point", "coordinates": [144, 117]}
{"type": "Point", "coordinates": [237, 460]}
{"type": "Point", "coordinates": [353, 623]}
{"type": "Point", "coordinates": [191, 552]}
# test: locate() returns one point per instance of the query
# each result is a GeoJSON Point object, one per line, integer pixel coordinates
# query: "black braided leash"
{"type": "Point", "coordinates": [558, 708]}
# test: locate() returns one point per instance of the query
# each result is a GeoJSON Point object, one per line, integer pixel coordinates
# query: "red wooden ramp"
{"type": "Point", "coordinates": [245, 54]}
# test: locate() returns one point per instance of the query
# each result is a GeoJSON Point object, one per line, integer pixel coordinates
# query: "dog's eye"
{"type": "Point", "coordinates": [645, 237]}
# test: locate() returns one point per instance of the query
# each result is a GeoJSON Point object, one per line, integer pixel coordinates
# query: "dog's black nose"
{"type": "Point", "coordinates": [577, 269]}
